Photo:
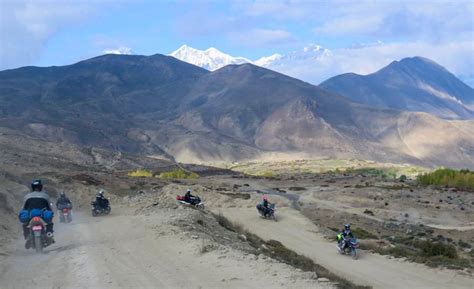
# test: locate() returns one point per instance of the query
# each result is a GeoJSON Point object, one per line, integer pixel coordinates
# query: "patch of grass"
{"type": "Point", "coordinates": [431, 249]}
{"type": "Point", "coordinates": [224, 222]}
{"type": "Point", "coordinates": [463, 179]}
{"type": "Point", "coordinates": [399, 252]}
{"type": "Point", "coordinates": [368, 212]}
{"type": "Point", "coordinates": [431, 253]}
{"type": "Point", "coordinates": [200, 222]}
{"type": "Point", "coordinates": [179, 174]}
{"type": "Point", "coordinates": [363, 234]}
{"type": "Point", "coordinates": [140, 173]}
{"type": "Point", "coordinates": [266, 174]}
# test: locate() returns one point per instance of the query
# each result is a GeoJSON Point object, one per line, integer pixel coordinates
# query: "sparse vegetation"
{"type": "Point", "coordinates": [140, 173]}
{"type": "Point", "coordinates": [431, 249]}
{"type": "Point", "coordinates": [427, 252]}
{"type": "Point", "coordinates": [363, 234]}
{"type": "Point", "coordinates": [266, 174]}
{"type": "Point", "coordinates": [179, 174]}
{"type": "Point", "coordinates": [224, 222]}
{"type": "Point", "coordinates": [463, 179]}
{"type": "Point", "coordinates": [278, 251]}
{"type": "Point", "coordinates": [368, 212]}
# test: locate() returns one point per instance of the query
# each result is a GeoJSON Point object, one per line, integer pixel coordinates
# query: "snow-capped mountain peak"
{"type": "Point", "coordinates": [267, 60]}
{"type": "Point", "coordinates": [210, 59]}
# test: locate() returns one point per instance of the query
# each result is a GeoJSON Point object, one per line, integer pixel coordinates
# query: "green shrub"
{"type": "Point", "coordinates": [431, 249]}
{"type": "Point", "coordinates": [463, 179]}
{"type": "Point", "coordinates": [141, 173]}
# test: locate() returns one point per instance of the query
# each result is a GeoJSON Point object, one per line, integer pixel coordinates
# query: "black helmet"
{"type": "Point", "coordinates": [37, 185]}
{"type": "Point", "coordinates": [62, 195]}
{"type": "Point", "coordinates": [347, 226]}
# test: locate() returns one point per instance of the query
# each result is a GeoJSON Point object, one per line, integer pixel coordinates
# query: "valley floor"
{"type": "Point", "coordinates": [137, 251]}
{"type": "Point", "coordinates": [151, 242]}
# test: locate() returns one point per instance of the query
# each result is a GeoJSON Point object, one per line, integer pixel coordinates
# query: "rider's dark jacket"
{"type": "Point", "coordinates": [63, 202]}
{"type": "Point", "coordinates": [101, 202]}
{"type": "Point", "coordinates": [188, 196]}
{"type": "Point", "coordinates": [37, 200]}
{"type": "Point", "coordinates": [347, 233]}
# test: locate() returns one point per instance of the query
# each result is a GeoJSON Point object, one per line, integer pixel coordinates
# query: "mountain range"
{"type": "Point", "coordinates": [212, 58]}
{"type": "Point", "coordinates": [163, 107]}
{"type": "Point", "coordinates": [413, 84]}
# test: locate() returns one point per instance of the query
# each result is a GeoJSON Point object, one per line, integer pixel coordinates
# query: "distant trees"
{"type": "Point", "coordinates": [463, 179]}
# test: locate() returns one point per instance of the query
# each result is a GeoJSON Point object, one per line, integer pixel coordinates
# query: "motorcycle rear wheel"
{"type": "Point", "coordinates": [38, 244]}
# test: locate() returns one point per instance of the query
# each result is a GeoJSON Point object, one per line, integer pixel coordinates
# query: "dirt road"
{"type": "Point", "coordinates": [137, 251]}
{"type": "Point", "coordinates": [300, 235]}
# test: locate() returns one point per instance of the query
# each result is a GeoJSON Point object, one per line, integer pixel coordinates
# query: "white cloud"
{"type": "Point", "coordinates": [456, 57]}
{"type": "Point", "coordinates": [347, 25]}
{"type": "Point", "coordinates": [262, 37]}
{"type": "Point", "coordinates": [120, 50]}
{"type": "Point", "coordinates": [26, 26]}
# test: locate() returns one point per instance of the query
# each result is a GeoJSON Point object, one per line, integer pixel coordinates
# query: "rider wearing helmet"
{"type": "Point", "coordinates": [63, 202]}
{"type": "Point", "coordinates": [38, 199]}
{"type": "Point", "coordinates": [264, 205]}
{"type": "Point", "coordinates": [188, 197]}
{"type": "Point", "coordinates": [100, 200]}
{"type": "Point", "coordinates": [346, 234]}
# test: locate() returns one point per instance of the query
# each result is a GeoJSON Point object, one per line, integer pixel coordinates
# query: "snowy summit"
{"type": "Point", "coordinates": [210, 59]}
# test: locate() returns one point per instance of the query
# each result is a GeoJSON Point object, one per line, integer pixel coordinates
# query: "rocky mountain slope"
{"type": "Point", "coordinates": [160, 106]}
{"type": "Point", "coordinates": [413, 84]}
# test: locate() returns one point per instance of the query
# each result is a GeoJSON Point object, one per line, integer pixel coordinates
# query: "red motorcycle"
{"type": "Point", "coordinates": [65, 215]}
{"type": "Point", "coordinates": [37, 235]}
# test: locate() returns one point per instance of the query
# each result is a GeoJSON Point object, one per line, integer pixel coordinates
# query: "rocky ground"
{"type": "Point", "coordinates": [149, 237]}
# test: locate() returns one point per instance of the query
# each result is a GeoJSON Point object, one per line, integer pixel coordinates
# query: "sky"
{"type": "Point", "coordinates": [363, 35]}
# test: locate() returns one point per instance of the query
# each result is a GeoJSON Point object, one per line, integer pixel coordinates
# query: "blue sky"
{"type": "Point", "coordinates": [62, 32]}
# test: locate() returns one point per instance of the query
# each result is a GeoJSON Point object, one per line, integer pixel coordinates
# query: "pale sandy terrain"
{"type": "Point", "coordinates": [137, 251]}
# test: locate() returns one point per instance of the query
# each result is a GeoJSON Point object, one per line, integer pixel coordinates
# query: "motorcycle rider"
{"type": "Point", "coordinates": [38, 199]}
{"type": "Point", "coordinates": [63, 202]}
{"type": "Point", "coordinates": [188, 197]}
{"type": "Point", "coordinates": [265, 205]}
{"type": "Point", "coordinates": [346, 235]}
{"type": "Point", "coordinates": [100, 200]}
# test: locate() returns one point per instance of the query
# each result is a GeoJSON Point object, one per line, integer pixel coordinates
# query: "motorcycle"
{"type": "Point", "coordinates": [38, 236]}
{"type": "Point", "coordinates": [350, 247]}
{"type": "Point", "coordinates": [195, 201]}
{"type": "Point", "coordinates": [65, 215]}
{"type": "Point", "coordinates": [99, 211]}
{"type": "Point", "coordinates": [268, 213]}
